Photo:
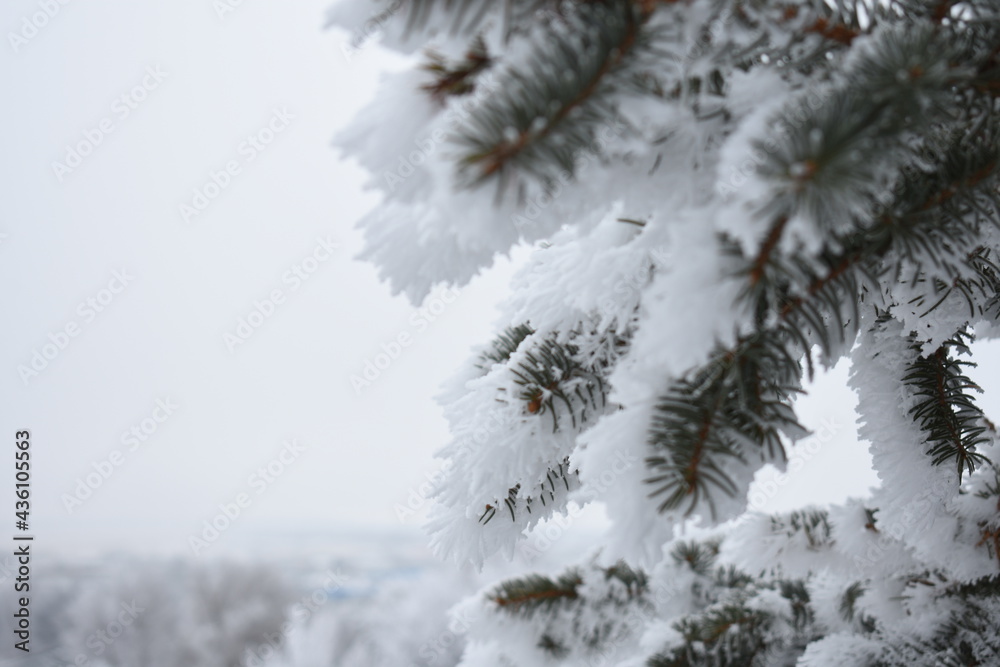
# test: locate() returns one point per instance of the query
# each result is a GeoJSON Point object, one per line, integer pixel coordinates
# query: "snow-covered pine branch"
{"type": "Point", "coordinates": [721, 195]}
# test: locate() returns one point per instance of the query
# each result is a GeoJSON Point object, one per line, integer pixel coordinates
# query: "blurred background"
{"type": "Point", "coordinates": [230, 449]}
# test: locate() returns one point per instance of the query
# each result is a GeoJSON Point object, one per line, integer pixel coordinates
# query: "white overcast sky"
{"type": "Point", "coordinates": [162, 335]}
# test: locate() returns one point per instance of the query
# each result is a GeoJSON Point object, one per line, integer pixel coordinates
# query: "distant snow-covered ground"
{"type": "Point", "coordinates": [353, 600]}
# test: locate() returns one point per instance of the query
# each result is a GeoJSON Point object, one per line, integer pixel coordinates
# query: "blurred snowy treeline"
{"type": "Point", "coordinates": [186, 612]}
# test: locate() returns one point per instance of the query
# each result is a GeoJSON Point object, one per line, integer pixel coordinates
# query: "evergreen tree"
{"type": "Point", "coordinates": [722, 194]}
